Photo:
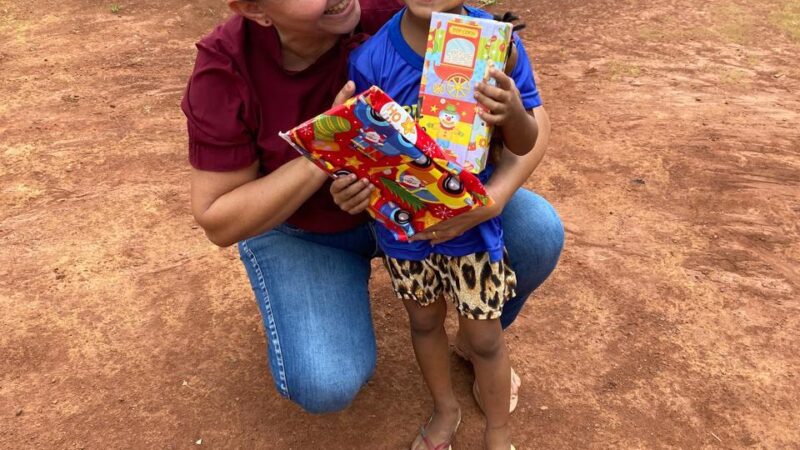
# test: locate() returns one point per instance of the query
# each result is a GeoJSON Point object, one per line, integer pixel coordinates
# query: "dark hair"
{"type": "Point", "coordinates": [510, 17]}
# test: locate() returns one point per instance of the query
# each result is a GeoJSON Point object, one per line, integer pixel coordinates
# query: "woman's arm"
{"type": "Point", "coordinates": [231, 206]}
{"type": "Point", "coordinates": [236, 205]}
{"type": "Point", "coordinates": [512, 171]}
{"type": "Point", "coordinates": [509, 175]}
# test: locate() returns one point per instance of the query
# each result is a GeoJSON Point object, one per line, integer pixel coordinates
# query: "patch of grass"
{"type": "Point", "coordinates": [618, 70]}
{"type": "Point", "coordinates": [787, 19]}
{"type": "Point", "coordinates": [728, 20]}
{"type": "Point", "coordinates": [651, 34]}
{"type": "Point", "coordinates": [733, 76]}
{"type": "Point", "coordinates": [725, 74]}
{"type": "Point", "coordinates": [737, 32]}
{"type": "Point", "coordinates": [734, 23]}
{"type": "Point", "coordinates": [70, 98]}
{"type": "Point", "coordinates": [672, 30]}
{"type": "Point", "coordinates": [753, 60]}
{"type": "Point", "coordinates": [115, 8]}
{"type": "Point", "coordinates": [12, 26]}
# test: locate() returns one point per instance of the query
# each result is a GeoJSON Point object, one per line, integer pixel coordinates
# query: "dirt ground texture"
{"type": "Point", "coordinates": [672, 320]}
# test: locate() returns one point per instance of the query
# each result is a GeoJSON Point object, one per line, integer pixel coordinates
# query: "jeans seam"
{"type": "Point", "coordinates": [273, 338]}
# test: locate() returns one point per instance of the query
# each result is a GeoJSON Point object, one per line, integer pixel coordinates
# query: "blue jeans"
{"type": "Point", "coordinates": [311, 290]}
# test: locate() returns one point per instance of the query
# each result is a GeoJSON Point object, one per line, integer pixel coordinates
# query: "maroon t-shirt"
{"type": "Point", "coordinates": [239, 97]}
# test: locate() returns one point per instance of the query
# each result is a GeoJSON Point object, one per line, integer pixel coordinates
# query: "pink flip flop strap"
{"type": "Point", "coordinates": [429, 444]}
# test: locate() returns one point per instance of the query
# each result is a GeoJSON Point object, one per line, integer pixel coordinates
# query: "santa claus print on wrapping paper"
{"type": "Point", "coordinates": [418, 185]}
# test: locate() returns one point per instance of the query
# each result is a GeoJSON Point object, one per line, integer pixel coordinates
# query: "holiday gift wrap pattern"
{"type": "Point", "coordinates": [373, 137]}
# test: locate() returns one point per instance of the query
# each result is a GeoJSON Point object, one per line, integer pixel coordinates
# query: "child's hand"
{"type": "Point", "coordinates": [501, 104]}
{"type": "Point", "coordinates": [504, 108]}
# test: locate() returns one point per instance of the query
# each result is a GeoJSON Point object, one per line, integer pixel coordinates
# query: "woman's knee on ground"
{"type": "Point", "coordinates": [330, 388]}
{"type": "Point", "coordinates": [319, 395]}
{"type": "Point", "coordinates": [528, 215]}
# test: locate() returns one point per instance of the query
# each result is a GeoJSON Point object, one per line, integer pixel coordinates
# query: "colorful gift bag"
{"type": "Point", "coordinates": [375, 138]}
{"type": "Point", "coordinates": [460, 51]}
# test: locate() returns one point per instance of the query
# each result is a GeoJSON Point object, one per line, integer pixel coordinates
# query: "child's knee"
{"type": "Point", "coordinates": [427, 319]}
{"type": "Point", "coordinates": [486, 345]}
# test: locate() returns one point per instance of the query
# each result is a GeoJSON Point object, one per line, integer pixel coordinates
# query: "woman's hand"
{"type": "Point", "coordinates": [451, 228]}
{"type": "Point", "coordinates": [351, 194]}
{"type": "Point", "coordinates": [347, 91]}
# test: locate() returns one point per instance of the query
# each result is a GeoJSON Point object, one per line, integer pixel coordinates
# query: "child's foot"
{"type": "Point", "coordinates": [440, 430]}
{"type": "Point", "coordinates": [498, 438]}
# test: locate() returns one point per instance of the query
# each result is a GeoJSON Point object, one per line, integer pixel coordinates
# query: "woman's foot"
{"type": "Point", "coordinates": [460, 348]}
{"type": "Point", "coordinates": [498, 438]}
{"type": "Point", "coordinates": [440, 430]}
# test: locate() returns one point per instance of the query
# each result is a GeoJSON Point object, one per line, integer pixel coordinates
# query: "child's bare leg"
{"type": "Point", "coordinates": [490, 360]}
{"type": "Point", "coordinates": [433, 356]}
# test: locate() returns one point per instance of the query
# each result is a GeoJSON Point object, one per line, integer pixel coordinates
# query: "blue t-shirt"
{"type": "Point", "coordinates": [387, 61]}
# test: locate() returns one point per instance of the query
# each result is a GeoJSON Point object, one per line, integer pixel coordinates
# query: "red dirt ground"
{"type": "Point", "coordinates": [671, 322]}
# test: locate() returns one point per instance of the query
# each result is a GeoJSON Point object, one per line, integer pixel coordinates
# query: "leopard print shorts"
{"type": "Point", "coordinates": [477, 287]}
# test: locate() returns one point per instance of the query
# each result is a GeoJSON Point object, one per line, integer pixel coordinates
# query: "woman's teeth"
{"type": "Point", "coordinates": [338, 8]}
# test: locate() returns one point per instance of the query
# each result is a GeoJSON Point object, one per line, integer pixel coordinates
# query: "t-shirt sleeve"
{"type": "Point", "coordinates": [360, 72]}
{"type": "Point", "coordinates": [523, 77]}
{"type": "Point", "coordinates": [214, 104]}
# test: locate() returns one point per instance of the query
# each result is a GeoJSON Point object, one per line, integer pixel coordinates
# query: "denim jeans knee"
{"type": "Point", "coordinates": [312, 294]}
{"type": "Point", "coordinates": [328, 391]}
{"type": "Point", "coordinates": [534, 237]}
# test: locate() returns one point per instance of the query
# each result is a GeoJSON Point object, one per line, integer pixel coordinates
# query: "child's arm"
{"type": "Point", "coordinates": [503, 108]}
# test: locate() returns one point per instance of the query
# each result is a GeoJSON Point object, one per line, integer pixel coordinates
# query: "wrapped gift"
{"type": "Point", "coordinates": [373, 137]}
{"type": "Point", "coordinates": [459, 54]}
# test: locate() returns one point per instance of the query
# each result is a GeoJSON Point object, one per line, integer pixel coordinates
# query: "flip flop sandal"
{"type": "Point", "coordinates": [516, 383]}
{"type": "Point", "coordinates": [514, 400]}
{"type": "Point", "coordinates": [446, 445]}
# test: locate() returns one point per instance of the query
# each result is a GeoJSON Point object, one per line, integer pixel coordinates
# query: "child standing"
{"type": "Point", "coordinates": [470, 270]}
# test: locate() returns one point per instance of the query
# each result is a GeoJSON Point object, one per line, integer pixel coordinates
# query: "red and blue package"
{"type": "Point", "coordinates": [370, 135]}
